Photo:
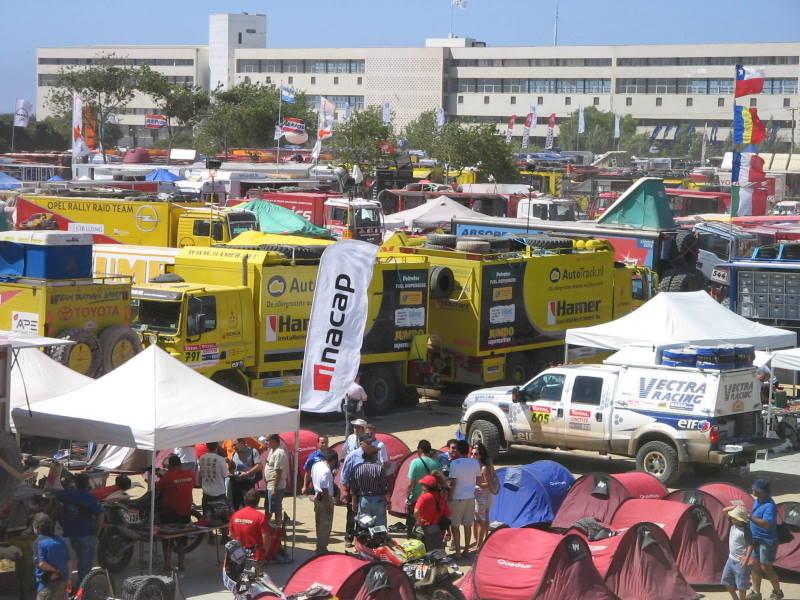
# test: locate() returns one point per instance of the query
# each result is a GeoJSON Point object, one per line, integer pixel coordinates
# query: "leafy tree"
{"type": "Point", "coordinates": [52, 134]}
{"type": "Point", "coordinates": [423, 134]}
{"type": "Point", "coordinates": [106, 88]}
{"type": "Point", "coordinates": [358, 140]}
{"type": "Point", "coordinates": [599, 134]}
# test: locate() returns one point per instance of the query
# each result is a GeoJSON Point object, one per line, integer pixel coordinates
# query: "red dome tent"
{"type": "Point", "coordinates": [699, 553]}
{"type": "Point", "coordinates": [788, 556]}
{"type": "Point", "coordinates": [715, 497]}
{"type": "Point", "coordinates": [638, 563]}
{"type": "Point", "coordinates": [397, 506]}
{"type": "Point", "coordinates": [531, 564]}
{"type": "Point", "coordinates": [347, 576]}
{"type": "Point", "coordinates": [598, 495]}
{"type": "Point", "coordinates": [395, 447]}
{"type": "Point", "coordinates": [308, 441]}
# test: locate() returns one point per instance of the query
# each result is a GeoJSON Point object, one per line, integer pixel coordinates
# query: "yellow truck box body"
{"type": "Point", "coordinates": [140, 263]}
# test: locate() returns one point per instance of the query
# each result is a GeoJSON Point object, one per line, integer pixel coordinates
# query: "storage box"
{"type": "Point", "coordinates": [46, 255]}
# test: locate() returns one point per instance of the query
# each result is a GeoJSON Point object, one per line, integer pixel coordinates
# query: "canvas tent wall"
{"type": "Point", "coordinates": [530, 494]}
{"type": "Point", "coordinates": [531, 564]}
{"type": "Point", "coordinates": [598, 495]}
{"type": "Point", "coordinates": [350, 577]}
{"type": "Point", "coordinates": [437, 212]}
{"type": "Point", "coordinates": [788, 555]}
{"type": "Point", "coordinates": [307, 443]}
{"type": "Point", "coordinates": [680, 317]}
{"type": "Point", "coordinates": [699, 553]}
{"type": "Point", "coordinates": [715, 497]}
{"type": "Point", "coordinates": [638, 563]}
{"type": "Point", "coordinates": [402, 487]}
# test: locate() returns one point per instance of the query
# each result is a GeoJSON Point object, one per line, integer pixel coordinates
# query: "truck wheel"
{"type": "Point", "coordinates": [518, 369]}
{"type": "Point", "coordinates": [231, 380]}
{"type": "Point", "coordinates": [441, 239]}
{"type": "Point", "coordinates": [118, 344]}
{"type": "Point", "coordinates": [487, 433]}
{"type": "Point", "coordinates": [473, 246]}
{"type": "Point", "coordinates": [685, 244]}
{"type": "Point", "coordinates": [660, 460]}
{"type": "Point", "coordinates": [83, 356]}
{"type": "Point", "coordinates": [381, 385]}
{"type": "Point", "coordinates": [442, 282]}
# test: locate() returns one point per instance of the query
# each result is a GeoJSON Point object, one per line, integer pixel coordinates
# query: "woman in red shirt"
{"type": "Point", "coordinates": [429, 511]}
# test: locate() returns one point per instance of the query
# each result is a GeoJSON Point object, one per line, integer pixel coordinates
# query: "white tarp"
{"type": "Point", "coordinates": [153, 402]}
{"type": "Point", "coordinates": [434, 213]}
{"type": "Point", "coordinates": [786, 359]}
{"type": "Point", "coordinates": [686, 317]}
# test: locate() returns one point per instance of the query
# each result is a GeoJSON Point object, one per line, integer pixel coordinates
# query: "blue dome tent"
{"type": "Point", "coordinates": [9, 183]}
{"type": "Point", "coordinates": [56, 178]}
{"type": "Point", "coordinates": [161, 175]}
{"type": "Point", "coordinates": [530, 494]}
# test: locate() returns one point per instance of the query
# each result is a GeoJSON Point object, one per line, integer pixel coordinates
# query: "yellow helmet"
{"type": "Point", "coordinates": [414, 549]}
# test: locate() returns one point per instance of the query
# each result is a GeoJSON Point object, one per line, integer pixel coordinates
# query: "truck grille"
{"type": "Point", "coordinates": [768, 295]}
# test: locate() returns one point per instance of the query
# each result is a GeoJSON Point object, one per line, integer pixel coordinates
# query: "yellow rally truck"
{"type": "Point", "coordinates": [47, 289]}
{"type": "Point", "coordinates": [135, 220]}
{"type": "Point", "coordinates": [239, 314]}
{"type": "Point", "coordinates": [500, 307]}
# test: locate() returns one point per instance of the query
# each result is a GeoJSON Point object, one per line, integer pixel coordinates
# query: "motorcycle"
{"type": "Point", "coordinates": [432, 573]}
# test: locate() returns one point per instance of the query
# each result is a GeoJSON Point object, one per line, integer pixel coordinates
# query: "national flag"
{"type": "Point", "coordinates": [747, 173]}
{"type": "Point", "coordinates": [581, 121]}
{"type": "Point", "coordinates": [510, 130]}
{"type": "Point", "coordinates": [386, 117]}
{"type": "Point", "coordinates": [22, 113]}
{"type": "Point", "coordinates": [747, 127]}
{"type": "Point", "coordinates": [287, 94]}
{"type": "Point", "coordinates": [551, 128]}
{"type": "Point", "coordinates": [616, 126]}
{"type": "Point", "coordinates": [749, 80]}
{"type": "Point", "coordinates": [78, 144]}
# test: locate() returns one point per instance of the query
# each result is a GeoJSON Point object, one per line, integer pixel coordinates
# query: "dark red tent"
{"type": "Point", "coordinates": [531, 564]}
{"type": "Point", "coordinates": [715, 497]}
{"type": "Point", "coordinates": [638, 563]}
{"type": "Point", "coordinates": [308, 441]}
{"type": "Point", "coordinates": [788, 556]}
{"type": "Point", "coordinates": [397, 506]}
{"type": "Point", "coordinates": [598, 495]}
{"type": "Point", "coordinates": [395, 447]}
{"type": "Point", "coordinates": [699, 552]}
{"type": "Point", "coordinates": [348, 577]}
{"type": "Point", "coordinates": [728, 494]}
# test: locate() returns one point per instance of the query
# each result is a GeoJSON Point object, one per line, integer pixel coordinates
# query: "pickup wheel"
{"type": "Point", "coordinates": [488, 434]}
{"type": "Point", "coordinates": [381, 386]}
{"type": "Point", "coordinates": [660, 460]}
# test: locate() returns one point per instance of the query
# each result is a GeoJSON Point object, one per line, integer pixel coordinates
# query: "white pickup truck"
{"type": "Point", "coordinates": [666, 417]}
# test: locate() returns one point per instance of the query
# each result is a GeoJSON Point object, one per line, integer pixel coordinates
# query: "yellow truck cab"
{"type": "Point", "coordinates": [239, 314]}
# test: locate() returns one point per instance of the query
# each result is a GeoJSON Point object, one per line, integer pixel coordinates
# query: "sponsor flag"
{"type": "Point", "coordinates": [747, 127]}
{"type": "Point", "coordinates": [90, 128]}
{"type": "Point", "coordinates": [551, 127]}
{"type": "Point", "coordinates": [287, 95]}
{"type": "Point", "coordinates": [581, 121]}
{"type": "Point", "coordinates": [616, 126]}
{"type": "Point", "coordinates": [747, 173]}
{"type": "Point", "coordinates": [347, 111]}
{"type": "Point", "coordinates": [387, 113]}
{"type": "Point", "coordinates": [22, 113]}
{"type": "Point", "coordinates": [439, 118]}
{"type": "Point", "coordinates": [278, 133]}
{"type": "Point", "coordinates": [292, 125]}
{"type": "Point", "coordinates": [749, 80]}
{"type": "Point", "coordinates": [327, 110]}
{"type": "Point", "coordinates": [155, 121]}
{"type": "Point", "coordinates": [336, 327]}
{"type": "Point", "coordinates": [526, 130]}
{"type": "Point", "coordinates": [78, 144]}
{"type": "Point", "coordinates": [316, 150]}
{"type": "Point", "coordinates": [510, 130]}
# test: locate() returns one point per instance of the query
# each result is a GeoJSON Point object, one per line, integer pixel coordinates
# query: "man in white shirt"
{"type": "Point", "coordinates": [465, 473]}
{"type": "Point", "coordinates": [322, 481]}
{"type": "Point", "coordinates": [351, 441]}
{"type": "Point", "coordinates": [276, 468]}
{"type": "Point", "coordinates": [383, 453]}
{"type": "Point", "coordinates": [353, 404]}
{"type": "Point", "coordinates": [213, 470]}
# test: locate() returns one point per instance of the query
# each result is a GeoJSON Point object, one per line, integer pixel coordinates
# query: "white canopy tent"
{"type": "Point", "coordinates": [434, 213]}
{"type": "Point", "coordinates": [786, 359]}
{"type": "Point", "coordinates": [680, 317]}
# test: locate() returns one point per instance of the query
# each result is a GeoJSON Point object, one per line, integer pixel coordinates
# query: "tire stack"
{"type": "Point", "coordinates": [93, 355]}
{"type": "Point", "coordinates": [488, 244]}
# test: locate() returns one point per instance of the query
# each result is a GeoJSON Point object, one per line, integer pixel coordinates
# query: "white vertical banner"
{"type": "Point", "coordinates": [347, 111]}
{"type": "Point", "coordinates": [387, 113]}
{"type": "Point", "coordinates": [22, 113]}
{"type": "Point", "coordinates": [79, 147]}
{"type": "Point", "coordinates": [616, 126]}
{"type": "Point", "coordinates": [336, 328]}
{"type": "Point", "coordinates": [581, 121]}
{"type": "Point", "coordinates": [440, 118]}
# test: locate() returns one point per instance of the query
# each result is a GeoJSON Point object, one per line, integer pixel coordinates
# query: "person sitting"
{"type": "Point", "coordinates": [250, 526]}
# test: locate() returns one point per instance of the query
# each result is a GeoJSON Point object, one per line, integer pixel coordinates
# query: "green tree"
{"type": "Point", "coordinates": [423, 134]}
{"type": "Point", "coordinates": [106, 87]}
{"type": "Point", "coordinates": [52, 134]}
{"type": "Point", "coordinates": [599, 134]}
{"type": "Point", "coordinates": [358, 140]}
{"type": "Point", "coordinates": [184, 105]}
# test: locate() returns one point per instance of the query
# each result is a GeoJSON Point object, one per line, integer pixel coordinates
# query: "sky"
{"type": "Point", "coordinates": [24, 26]}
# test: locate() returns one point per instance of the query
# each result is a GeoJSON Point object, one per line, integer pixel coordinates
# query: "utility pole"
{"type": "Point", "coordinates": [794, 125]}
{"type": "Point", "coordinates": [555, 28]}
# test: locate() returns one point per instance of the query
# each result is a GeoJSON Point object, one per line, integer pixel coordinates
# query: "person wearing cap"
{"type": "Point", "coordinates": [429, 510]}
{"type": "Point", "coordinates": [351, 461]}
{"type": "Point", "coordinates": [764, 529]}
{"type": "Point", "coordinates": [420, 467]}
{"type": "Point", "coordinates": [383, 453]}
{"type": "Point", "coordinates": [351, 441]}
{"type": "Point", "coordinates": [368, 484]}
{"type": "Point", "coordinates": [736, 574]}
{"type": "Point", "coordinates": [353, 404]}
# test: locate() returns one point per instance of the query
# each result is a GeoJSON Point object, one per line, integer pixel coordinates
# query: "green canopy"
{"type": "Point", "coordinates": [644, 205]}
{"type": "Point", "coordinates": [277, 219]}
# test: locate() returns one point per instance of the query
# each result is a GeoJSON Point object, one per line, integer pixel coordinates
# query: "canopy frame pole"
{"type": "Point", "coordinates": [566, 353]}
{"type": "Point", "coordinates": [152, 509]}
{"type": "Point", "coordinates": [294, 487]}
{"type": "Point", "coordinates": [768, 424]}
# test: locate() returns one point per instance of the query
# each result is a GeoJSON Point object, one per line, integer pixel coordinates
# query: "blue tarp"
{"type": "Point", "coordinates": [56, 178]}
{"type": "Point", "coordinates": [9, 183]}
{"type": "Point", "coordinates": [530, 494]}
{"type": "Point", "coordinates": [161, 175]}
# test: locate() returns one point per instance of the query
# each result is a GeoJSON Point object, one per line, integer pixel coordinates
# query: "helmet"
{"type": "Point", "coordinates": [414, 549]}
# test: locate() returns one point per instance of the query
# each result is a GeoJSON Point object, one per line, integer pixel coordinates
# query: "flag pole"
{"type": "Point", "coordinates": [280, 122]}
{"type": "Point", "coordinates": [13, 131]}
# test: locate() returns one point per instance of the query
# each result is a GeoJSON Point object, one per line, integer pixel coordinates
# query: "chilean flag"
{"type": "Point", "coordinates": [749, 80]}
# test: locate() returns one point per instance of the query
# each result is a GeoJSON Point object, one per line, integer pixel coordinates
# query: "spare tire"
{"type": "Point", "coordinates": [547, 242]}
{"type": "Point", "coordinates": [442, 282]}
{"type": "Point", "coordinates": [442, 239]}
{"type": "Point", "coordinates": [496, 244]}
{"type": "Point", "coordinates": [476, 247]}
{"type": "Point", "coordinates": [680, 282]}
{"type": "Point", "coordinates": [427, 246]}
{"type": "Point", "coordinates": [118, 344]}
{"type": "Point", "coordinates": [83, 356]}
{"type": "Point", "coordinates": [685, 244]}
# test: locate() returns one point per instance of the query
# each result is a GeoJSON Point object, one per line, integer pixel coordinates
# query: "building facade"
{"type": "Point", "coordinates": [661, 86]}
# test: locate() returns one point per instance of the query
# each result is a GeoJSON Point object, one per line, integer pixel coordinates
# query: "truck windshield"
{"type": "Point", "coordinates": [545, 387]}
{"type": "Point", "coordinates": [163, 317]}
{"type": "Point", "coordinates": [241, 223]}
{"type": "Point", "coordinates": [368, 217]}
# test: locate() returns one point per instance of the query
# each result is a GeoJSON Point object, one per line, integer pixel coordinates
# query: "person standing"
{"type": "Point", "coordinates": [322, 482]}
{"type": "Point", "coordinates": [353, 404]}
{"type": "Point", "coordinates": [51, 560]}
{"type": "Point", "coordinates": [276, 469]}
{"type": "Point", "coordinates": [175, 487]}
{"type": "Point", "coordinates": [368, 484]}
{"type": "Point", "coordinates": [464, 475]}
{"type": "Point", "coordinates": [314, 458]}
{"type": "Point", "coordinates": [429, 511]}
{"type": "Point", "coordinates": [764, 530]}
{"type": "Point", "coordinates": [736, 573]}
{"type": "Point", "coordinates": [250, 526]}
{"type": "Point", "coordinates": [213, 470]}
{"type": "Point", "coordinates": [81, 518]}
{"type": "Point", "coordinates": [420, 467]}
{"type": "Point", "coordinates": [383, 453]}
{"type": "Point", "coordinates": [244, 467]}
{"type": "Point", "coordinates": [351, 442]}
{"type": "Point", "coordinates": [485, 491]}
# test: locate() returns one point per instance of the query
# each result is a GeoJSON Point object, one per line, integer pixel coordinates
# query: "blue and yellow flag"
{"type": "Point", "coordinates": [747, 127]}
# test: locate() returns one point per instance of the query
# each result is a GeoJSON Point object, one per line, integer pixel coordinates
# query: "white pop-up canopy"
{"type": "Point", "coordinates": [153, 402]}
{"type": "Point", "coordinates": [681, 317]}
{"type": "Point", "coordinates": [786, 359]}
{"type": "Point", "coordinates": [434, 213]}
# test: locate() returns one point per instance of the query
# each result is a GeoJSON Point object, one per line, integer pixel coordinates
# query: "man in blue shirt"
{"type": "Point", "coordinates": [314, 458]}
{"type": "Point", "coordinates": [764, 530]}
{"type": "Point", "coordinates": [51, 561]}
{"type": "Point", "coordinates": [81, 518]}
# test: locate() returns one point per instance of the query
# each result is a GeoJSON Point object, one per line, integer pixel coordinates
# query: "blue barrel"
{"type": "Point", "coordinates": [683, 357]}
{"type": "Point", "coordinates": [745, 355]}
{"type": "Point", "coordinates": [671, 363]}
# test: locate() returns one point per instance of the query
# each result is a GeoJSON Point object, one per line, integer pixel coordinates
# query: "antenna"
{"type": "Point", "coordinates": [555, 28]}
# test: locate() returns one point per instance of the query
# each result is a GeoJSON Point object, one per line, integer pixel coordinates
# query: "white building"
{"type": "Point", "coordinates": [660, 85]}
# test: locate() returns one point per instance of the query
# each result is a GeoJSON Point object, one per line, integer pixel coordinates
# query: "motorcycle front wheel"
{"type": "Point", "coordinates": [440, 591]}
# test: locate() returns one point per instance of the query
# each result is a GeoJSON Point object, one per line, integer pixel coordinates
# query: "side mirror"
{"type": "Point", "coordinates": [516, 394]}
{"type": "Point", "coordinates": [196, 325]}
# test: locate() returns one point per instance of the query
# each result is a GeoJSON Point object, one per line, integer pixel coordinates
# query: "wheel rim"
{"type": "Point", "coordinates": [517, 375]}
{"type": "Point", "coordinates": [122, 351]}
{"type": "Point", "coordinates": [80, 358]}
{"type": "Point", "coordinates": [655, 463]}
{"type": "Point", "coordinates": [476, 437]}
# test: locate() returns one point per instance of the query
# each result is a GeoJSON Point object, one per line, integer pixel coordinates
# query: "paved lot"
{"type": "Point", "coordinates": [437, 424]}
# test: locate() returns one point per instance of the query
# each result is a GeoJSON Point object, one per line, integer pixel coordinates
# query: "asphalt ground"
{"type": "Point", "coordinates": [437, 424]}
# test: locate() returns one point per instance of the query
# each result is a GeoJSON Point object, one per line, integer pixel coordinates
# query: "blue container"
{"type": "Point", "coordinates": [12, 259]}
{"type": "Point", "coordinates": [745, 355]}
{"type": "Point", "coordinates": [684, 357]}
{"type": "Point", "coordinates": [46, 254]}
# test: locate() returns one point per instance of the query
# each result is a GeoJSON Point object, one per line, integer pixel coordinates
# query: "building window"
{"type": "Point", "coordinates": [313, 80]}
{"type": "Point", "coordinates": [720, 102]}
{"type": "Point", "coordinates": [540, 100]}
{"type": "Point", "coordinates": [486, 99]}
{"type": "Point", "coordinates": [753, 102]}
{"type": "Point", "coordinates": [567, 100]}
{"type": "Point", "coordinates": [359, 80]}
{"type": "Point", "coordinates": [250, 30]}
{"type": "Point", "coordinates": [689, 101]}
{"type": "Point", "coordinates": [291, 80]}
{"type": "Point", "coordinates": [240, 37]}
{"type": "Point", "coordinates": [596, 101]}
{"type": "Point", "coordinates": [628, 101]}
{"type": "Point", "coordinates": [786, 103]}
{"type": "Point", "coordinates": [461, 99]}
{"type": "Point", "coordinates": [335, 81]}
{"type": "Point", "coordinates": [513, 99]}
{"type": "Point", "coordinates": [294, 66]}
{"type": "Point", "coordinates": [269, 79]}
